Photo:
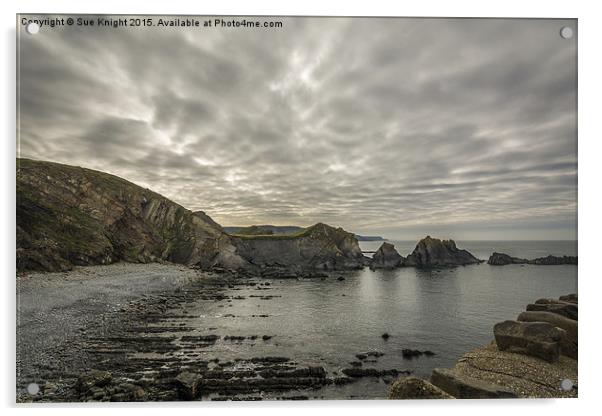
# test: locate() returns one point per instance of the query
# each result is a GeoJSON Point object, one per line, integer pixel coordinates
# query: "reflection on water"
{"type": "Point", "coordinates": [327, 322]}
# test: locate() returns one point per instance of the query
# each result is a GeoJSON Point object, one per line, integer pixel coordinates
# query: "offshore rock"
{"type": "Point", "coordinates": [501, 259]}
{"type": "Point", "coordinates": [432, 252]}
{"type": "Point", "coordinates": [386, 257]}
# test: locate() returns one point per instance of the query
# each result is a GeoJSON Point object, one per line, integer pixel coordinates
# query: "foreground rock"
{"type": "Point", "coordinates": [432, 252]}
{"type": "Point", "coordinates": [386, 257]}
{"type": "Point", "coordinates": [416, 388]}
{"type": "Point", "coordinates": [538, 339]}
{"type": "Point", "coordinates": [520, 374]}
{"type": "Point", "coordinates": [530, 357]}
{"type": "Point", "coordinates": [461, 386]}
{"type": "Point", "coordinates": [501, 259]}
{"type": "Point", "coordinates": [568, 344]}
{"type": "Point", "coordinates": [566, 309]}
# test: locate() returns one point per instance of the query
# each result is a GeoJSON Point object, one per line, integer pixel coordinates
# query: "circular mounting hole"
{"type": "Point", "coordinates": [32, 28]}
{"type": "Point", "coordinates": [566, 384]}
{"type": "Point", "coordinates": [33, 388]}
{"type": "Point", "coordinates": [566, 32]}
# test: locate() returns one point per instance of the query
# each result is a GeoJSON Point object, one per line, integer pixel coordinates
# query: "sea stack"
{"type": "Point", "coordinates": [386, 257]}
{"type": "Point", "coordinates": [432, 252]}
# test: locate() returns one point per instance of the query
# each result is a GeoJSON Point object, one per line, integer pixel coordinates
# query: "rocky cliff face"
{"type": "Point", "coordinates": [68, 215]}
{"type": "Point", "coordinates": [319, 247]}
{"type": "Point", "coordinates": [432, 252]}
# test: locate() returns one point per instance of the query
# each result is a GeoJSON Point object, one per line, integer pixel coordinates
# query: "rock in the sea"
{"type": "Point", "coordinates": [538, 339]}
{"type": "Point", "coordinates": [501, 259]}
{"type": "Point", "coordinates": [554, 260]}
{"type": "Point", "coordinates": [568, 345]}
{"type": "Point", "coordinates": [386, 257]}
{"type": "Point", "coordinates": [416, 388]}
{"type": "Point", "coordinates": [432, 252]}
{"type": "Point", "coordinates": [462, 387]}
{"type": "Point", "coordinates": [566, 309]}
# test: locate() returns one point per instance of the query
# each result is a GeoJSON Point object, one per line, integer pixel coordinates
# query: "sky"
{"type": "Point", "coordinates": [457, 128]}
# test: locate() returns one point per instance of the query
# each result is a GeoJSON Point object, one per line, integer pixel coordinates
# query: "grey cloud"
{"type": "Point", "coordinates": [390, 126]}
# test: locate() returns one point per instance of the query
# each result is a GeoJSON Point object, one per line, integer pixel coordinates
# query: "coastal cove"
{"type": "Point", "coordinates": [322, 322]}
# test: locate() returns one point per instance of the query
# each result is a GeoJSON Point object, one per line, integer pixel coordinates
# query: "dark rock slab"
{"type": "Point", "coordinates": [187, 384]}
{"type": "Point", "coordinates": [572, 298]}
{"type": "Point", "coordinates": [416, 388]}
{"type": "Point", "coordinates": [538, 339]}
{"type": "Point", "coordinates": [568, 345]}
{"type": "Point", "coordinates": [462, 387]}
{"type": "Point", "coordinates": [568, 310]}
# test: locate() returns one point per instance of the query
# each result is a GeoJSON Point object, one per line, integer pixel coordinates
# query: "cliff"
{"type": "Point", "coordinates": [432, 252]}
{"type": "Point", "coordinates": [67, 215]}
{"type": "Point", "coordinates": [319, 247]}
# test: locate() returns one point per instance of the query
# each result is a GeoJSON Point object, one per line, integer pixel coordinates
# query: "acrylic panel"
{"type": "Point", "coordinates": [280, 208]}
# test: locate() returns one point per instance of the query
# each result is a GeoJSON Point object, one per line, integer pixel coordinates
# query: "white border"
{"type": "Point", "coordinates": [590, 209]}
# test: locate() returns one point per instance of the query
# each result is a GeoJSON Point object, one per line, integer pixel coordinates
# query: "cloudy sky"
{"type": "Point", "coordinates": [397, 127]}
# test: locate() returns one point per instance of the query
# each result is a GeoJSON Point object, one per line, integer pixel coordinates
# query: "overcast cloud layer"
{"type": "Point", "coordinates": [397, 127]}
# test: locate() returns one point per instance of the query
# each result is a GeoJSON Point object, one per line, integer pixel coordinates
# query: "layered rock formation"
{"type": "Point", "coordinates": [432, 252]}
{"type": "Point", "coordinates": [386, 257]}
{"type": "Point", "coordinates": [529, 358]}
{"type": "Point", "coordinates": [319, 247]}
{"type": "Point", "coordinates": [501, 259]}
{"type": "Point", "coordinates": [68, 215]}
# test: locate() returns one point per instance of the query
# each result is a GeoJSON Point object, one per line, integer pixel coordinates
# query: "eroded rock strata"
{"type": "Point", "coordinates": [67, 215]}
{"type": "Point", "coordinates": [528, 358]}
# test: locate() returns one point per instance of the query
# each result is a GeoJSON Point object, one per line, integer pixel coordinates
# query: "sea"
{"type": "Point", "coordinates": [448, 311]}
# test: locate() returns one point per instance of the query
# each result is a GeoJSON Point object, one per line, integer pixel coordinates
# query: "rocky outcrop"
{"type": "Point", "coordinates": [386, 257]}
{"type": "Point", "coordinates": [566, 309]}
{"type": "Point", "coordinates": [67, 215]}
{"type": "Point", "coordinates": [416, 388]}
{"type": "Point", "coordinates": [319, 247]}
{"type": "Point", "coordinates": [461, 387]}
{"type": "Point", "coordinates": [432, 252]}
{"type": "Point", "coordinates": [528, 358]}
{"type": "Point", "coordinates": [538, 339]}
{"type": "Point", "coordinates": [568, 345]}
{"type": "Point", "coordinates": [501, 259]}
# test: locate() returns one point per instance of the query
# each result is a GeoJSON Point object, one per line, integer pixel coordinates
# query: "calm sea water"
{"type": "Point", "coordinates": [447, 311]}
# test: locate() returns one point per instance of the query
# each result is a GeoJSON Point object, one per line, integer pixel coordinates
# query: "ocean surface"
{"type": "Point", "coordinates": [448, 311]}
